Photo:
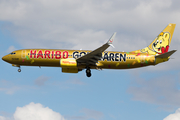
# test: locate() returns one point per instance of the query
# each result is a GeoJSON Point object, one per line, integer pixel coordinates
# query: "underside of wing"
{"type": "Point", "coordinates": [93, 57]}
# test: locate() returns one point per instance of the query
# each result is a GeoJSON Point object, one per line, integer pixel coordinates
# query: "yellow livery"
{"type": "Point", "coordinates": [73, 61]}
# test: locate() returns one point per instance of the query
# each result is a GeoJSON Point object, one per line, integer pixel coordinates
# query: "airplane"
{"type": "Point", "coordinates": [73, 61]}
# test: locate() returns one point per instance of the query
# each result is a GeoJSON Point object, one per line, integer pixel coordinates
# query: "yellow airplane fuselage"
{"type": "Point", "coordinates": [73, 61]}
{"type": "Point", "coordinates": [52, 57]}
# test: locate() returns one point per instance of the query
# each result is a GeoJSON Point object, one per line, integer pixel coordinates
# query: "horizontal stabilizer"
{"type": "Point", "coordinates": [166, 55]}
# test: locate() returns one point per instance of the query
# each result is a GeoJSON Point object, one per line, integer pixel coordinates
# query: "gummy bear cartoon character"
{"type": "Point", "coordinates": [147, 50]}
{"type": "Point", "coordinates": [161, 44]}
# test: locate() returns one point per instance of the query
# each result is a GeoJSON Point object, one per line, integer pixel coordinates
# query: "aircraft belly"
{"type": "Point", "coordinates": [40, 62]}
{"type": "Point", "coordinates": [127, 64]}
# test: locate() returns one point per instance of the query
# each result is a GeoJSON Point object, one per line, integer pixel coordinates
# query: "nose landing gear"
{"type": "Point", "coordinates": [19, 70]}
{"type": "Point", "coordinates": [88, 72]}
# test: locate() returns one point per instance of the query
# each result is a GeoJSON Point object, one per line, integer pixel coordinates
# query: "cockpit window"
{"type": "Point", "coordinates": [12, 53]}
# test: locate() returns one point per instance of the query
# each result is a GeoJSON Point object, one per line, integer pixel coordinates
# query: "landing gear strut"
{"type": "Point", "coordinates": [19, 70]}
{"type": "Point", "coordinates": [88, 72]}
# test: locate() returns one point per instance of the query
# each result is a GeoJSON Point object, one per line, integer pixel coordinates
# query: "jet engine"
{"type": "Point", "coordinates": [69, 65]}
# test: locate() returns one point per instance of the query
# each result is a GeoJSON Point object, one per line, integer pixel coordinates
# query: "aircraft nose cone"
{"type": "Point", "coordinates": [4, 58]}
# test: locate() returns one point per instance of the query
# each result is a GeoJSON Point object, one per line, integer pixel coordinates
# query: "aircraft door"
{"type": "Point", "coordinates": [142, 59]}
{"type": "Point", "coordinates": [23, 54]}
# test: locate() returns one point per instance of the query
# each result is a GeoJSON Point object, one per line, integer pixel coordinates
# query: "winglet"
{"type": "Point", "coordinates": [110, 41]}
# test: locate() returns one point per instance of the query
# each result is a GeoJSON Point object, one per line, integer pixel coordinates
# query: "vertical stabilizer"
{"type": "Point", "coordinates": [161, 43]}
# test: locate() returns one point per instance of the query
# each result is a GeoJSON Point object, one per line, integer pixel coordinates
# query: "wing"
{"type": "Point", "coordinates": [95, 55]}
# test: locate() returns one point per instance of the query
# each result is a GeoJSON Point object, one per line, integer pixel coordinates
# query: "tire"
{"type": "Point", "coordinates": [19, 70]}
{"type": "Point", "coordinates": [88, 71]}
{"type": "Point", "coordinates": [88, 74]}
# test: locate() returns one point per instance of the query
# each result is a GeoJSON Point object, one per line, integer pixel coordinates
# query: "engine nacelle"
{"type": "Point", "coordinates": [68, 63]}
{"type": "Point", "coordinates": [70, 70]}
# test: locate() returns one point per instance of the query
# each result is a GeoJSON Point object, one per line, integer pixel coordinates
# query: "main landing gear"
{"type": "Point", "coordinates": [88, 72]}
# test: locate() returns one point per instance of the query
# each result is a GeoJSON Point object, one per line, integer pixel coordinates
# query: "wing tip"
{"type": "Point", "coordinates": [110, 41]}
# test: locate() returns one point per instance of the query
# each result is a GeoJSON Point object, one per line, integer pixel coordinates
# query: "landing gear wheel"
{"type": "Point", "coordinates": [19, 70]}
{"type": "Point", "coordinates": [88, 72]}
